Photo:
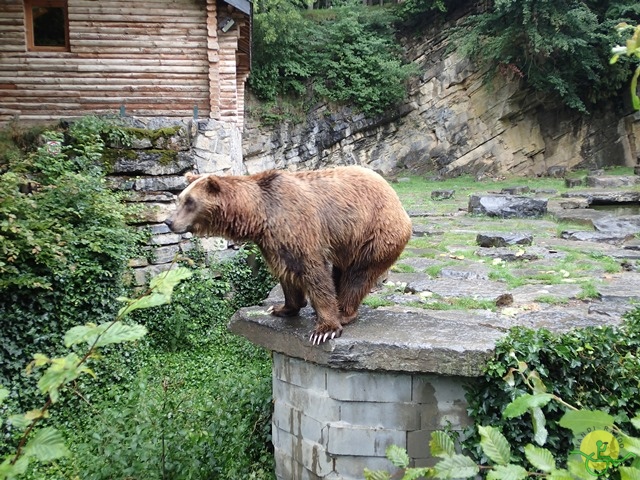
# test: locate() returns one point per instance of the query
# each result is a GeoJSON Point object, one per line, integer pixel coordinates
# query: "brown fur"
{"type": "Point", "coordinates": [327, 235]}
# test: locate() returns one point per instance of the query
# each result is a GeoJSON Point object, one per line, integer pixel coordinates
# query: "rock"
{"type": "Point", "coordinates": [153, 213]}
{"type": "Point", "coordinates": [141, 196]}
{"type": "Point", "coordinates": [628, 225]}
{"type": "Point", "coordinates": [164, 254]}
{"type": "Point", "coordinates": [421, 230]}
{"type": "Point", "coordinates": [151, 162]}
{"type": "Point", "coordinates": [519, 190]}
{"type": "Point", "coordinates": [509, 255]}
{"type": "Point", "coordinates": [606, 196]}
{"type": "Point", "coordinates": [573, 203]}
{"type": "Point", "coordinates": [418, 341]}
{"type": "Point", "coordinates": [557, 171]}
{"type": "Point", "coordinates": [611, 181]}
{"type": "Point", "coordinates": [442, 194]}
{"type": "Point", "coordinates": [465, 272]}
{"type": "Point", "coordinates": [168, 183]}
{"type": "Point", "coordinates": [165, 239]}
{"type": "Point", "coordinates": [507, 206]}
{"type": "Point", "coordinates": [504, 300]}
{"type": "Point", "coordinates": [572, 182]}
{"type": "Point", "coordinates": [601, 237]}
{"type": "Point", "coordinates": [503, 239]}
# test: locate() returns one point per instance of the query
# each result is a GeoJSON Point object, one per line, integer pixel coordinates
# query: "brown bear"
{"type": "Point", "coordinates": [327, 235]}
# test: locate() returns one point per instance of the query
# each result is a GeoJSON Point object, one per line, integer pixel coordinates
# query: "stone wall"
{"type": "Point", "coordinates": [151, 173]}
{"type": "Point", "coordinates": [332, 423]}
{"type": "Point", "coordinates": [452, 124]}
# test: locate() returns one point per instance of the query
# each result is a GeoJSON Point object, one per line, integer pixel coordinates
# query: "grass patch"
{"type": "Point", "coordinates": [375, 301]}
{"type": "Point", "coordinates": [551, 300]}
{"type": "Point", "coordinates": [455, 303]}
{"type": "Point", "coordinates": [403, 268]}
{"type": "Point", "coordinates": [589, 291]}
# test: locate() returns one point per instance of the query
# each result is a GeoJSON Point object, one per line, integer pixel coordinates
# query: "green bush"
{"type": "Point", "coordinates": [186, 417]}
{"type": "Point", "coordinates": [594, 368]}
{"type": "Point", "coordinates": [200, 405]}
{"type": "Point", "coordinates": [350, 57]}
{"type": "Point", "coordinates": [559, 48]}
{"type": "Point", "coordinates": [64, 245]}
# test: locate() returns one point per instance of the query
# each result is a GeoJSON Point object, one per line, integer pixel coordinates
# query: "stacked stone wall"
{"type": "Point", "coordinates": [332, 423]}
{"type": "Point", "coordinates": [151, 172]}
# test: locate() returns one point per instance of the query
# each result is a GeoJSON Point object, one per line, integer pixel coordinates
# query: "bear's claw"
{"type": "Point", "coordinates": [318, 337]}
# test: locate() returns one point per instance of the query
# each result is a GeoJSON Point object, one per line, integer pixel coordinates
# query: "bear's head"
{"type": "Point", "coordinates": [196, 204]}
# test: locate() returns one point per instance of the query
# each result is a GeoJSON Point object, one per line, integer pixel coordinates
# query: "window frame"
{"type": "Point", "coordinates": [28, 16]}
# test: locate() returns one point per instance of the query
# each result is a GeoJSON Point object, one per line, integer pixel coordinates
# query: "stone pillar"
{"type": "Point", "coordinates": [332, 423]}
{"type": "Point", "coordinates": [391, 378]}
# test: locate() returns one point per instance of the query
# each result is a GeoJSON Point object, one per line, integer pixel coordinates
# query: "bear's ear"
{"type": "Point", "coordinates": [191, 177]}
{"type": "Point", "coordinates": [211, 184]}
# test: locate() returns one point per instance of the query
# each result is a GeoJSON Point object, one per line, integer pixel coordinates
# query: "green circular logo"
{"type": "Point", "coordinates": [600, 448]}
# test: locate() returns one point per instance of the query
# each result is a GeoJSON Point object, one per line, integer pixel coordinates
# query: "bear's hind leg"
{"type": "Point", "coordinates": [294, 300]}
{"type": "Point", "coordinates": [356, 283]}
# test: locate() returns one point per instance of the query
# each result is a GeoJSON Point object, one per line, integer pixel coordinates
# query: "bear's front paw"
{"type": "Point", "coordinates": [322, 333]}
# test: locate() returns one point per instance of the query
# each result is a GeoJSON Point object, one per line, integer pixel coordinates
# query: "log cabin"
{"type": "Point", "coordinates": [150, 58]}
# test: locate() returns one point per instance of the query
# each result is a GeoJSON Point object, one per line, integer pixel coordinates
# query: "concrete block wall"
{"type": "Point", "coordinates": [331, 423]}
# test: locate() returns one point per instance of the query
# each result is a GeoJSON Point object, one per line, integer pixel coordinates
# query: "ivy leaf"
{"type": "Point", "coordinates": [441, 444]}
{"type": "Point", "coordinates": [507, 472]}
{"type": "Point", "coordinates": [539, 426]}
{"type": "Point", "coordinates": [635, 421]}
{"type": "Point", "coordinates": [4, 393]}
{"type": "Point", "coordinates": [456, 466]}
{"type": "Point", "coordinates": [541, 458]}
{"type": "Point", "coordinates": [494, 445]}
{"type": "Point", "coordinates": [524, 403]}
{"type": "Point", "coordinates": [629, 473]}
{"type": "Point", "coordinates": [579, 421]}
{"type": "Point", "coordinates": [46, 445]}
{"type": "Point", "coordinates": [398, 456]}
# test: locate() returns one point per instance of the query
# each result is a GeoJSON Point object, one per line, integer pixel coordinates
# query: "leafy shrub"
{"type": "Point", "coordinates": [595, 368]}
{"type": "Point", "coordinates": [558, 48]}
{"type": "Point", "coordinates": [64, 245]}
{"type": "Point", "coordinates": [200, 405]}
{"type": "Point", "coordinates": [351, 58]}
{"type": "Point", "coordinates": [45, 444]}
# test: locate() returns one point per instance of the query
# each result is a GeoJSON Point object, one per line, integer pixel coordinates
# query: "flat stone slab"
{"type": "Point", "coordinates": [406, 341]}
{"type": "Point", "coordinates": [606, 196]}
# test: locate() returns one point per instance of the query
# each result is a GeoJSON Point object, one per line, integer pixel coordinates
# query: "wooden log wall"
{"type": "Point", "coordinates": [151, 56]}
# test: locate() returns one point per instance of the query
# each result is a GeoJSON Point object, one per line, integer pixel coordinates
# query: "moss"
{"type": "Point", "coordinates": [153, 135]}
{"type": "Point", "coordinates": [166, 156]}
{"type": "Point", "coordinates": [111, 155]}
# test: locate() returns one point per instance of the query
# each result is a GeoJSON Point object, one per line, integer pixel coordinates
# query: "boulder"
{"type": "Point", "coordinates": [507, 206]}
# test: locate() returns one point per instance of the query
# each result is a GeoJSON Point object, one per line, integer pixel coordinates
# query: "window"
{"type": "Point", "coordinates": [47, 25]}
